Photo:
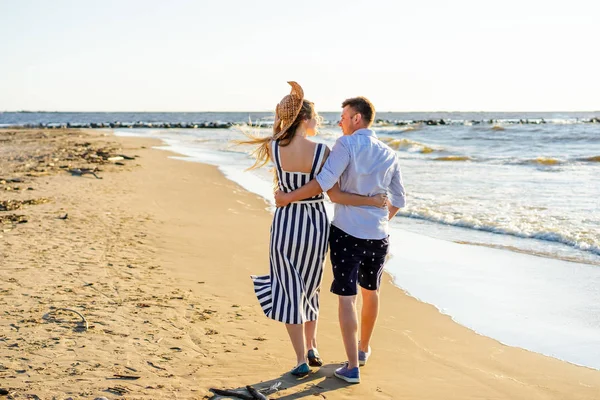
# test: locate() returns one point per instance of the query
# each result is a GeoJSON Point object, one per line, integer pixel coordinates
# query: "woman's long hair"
{"type": "Point", "coordinates": [261, 153]}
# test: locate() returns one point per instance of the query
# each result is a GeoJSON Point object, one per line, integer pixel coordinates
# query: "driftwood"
{"type": "Point", "coordinates": [231, 393]}
{"type": "Point", "coordinates": [83, 171]}
{"type": "Point", "coordinates": [129, 377]}
{"type": "Point", "coordinates": [254, 394]}
{"type": "Point", "coordinates": [120, 390]}
{"type": "Point", "coordinates": [83, 320]}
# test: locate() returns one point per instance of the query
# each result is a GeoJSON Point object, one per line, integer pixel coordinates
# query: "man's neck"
{"type": "Point", "coordinates": [358, 129]}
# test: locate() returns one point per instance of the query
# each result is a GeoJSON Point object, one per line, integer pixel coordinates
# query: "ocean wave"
{"type": "Point", "coordinates": [391, 130]}
{"type": "Point", "coordinates": [453, 158]}
{"type": "Point", "coordinates": [590, 159]}
{"type": "Point", "coordinates": [409, 145]}
{"type": "Point", "coordinates": [579, 240]}
{"type": "Point", "coordinates": [546, 161]}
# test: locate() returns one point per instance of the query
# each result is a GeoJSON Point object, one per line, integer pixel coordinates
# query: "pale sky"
{"type": "Point", "coordinates": [236, 55]}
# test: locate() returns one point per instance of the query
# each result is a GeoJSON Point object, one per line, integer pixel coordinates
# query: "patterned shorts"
{"type": "Point", "coordinates": [355, 261]}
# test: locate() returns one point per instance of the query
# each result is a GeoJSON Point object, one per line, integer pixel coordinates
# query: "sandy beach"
{"type": "Point", "coordinates": [156, 256]}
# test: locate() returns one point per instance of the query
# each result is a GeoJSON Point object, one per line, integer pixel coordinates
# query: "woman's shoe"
{"type": "Point", "coordinates": [301, 370]}
{"type": "Point", "coordinates": [314, 360]}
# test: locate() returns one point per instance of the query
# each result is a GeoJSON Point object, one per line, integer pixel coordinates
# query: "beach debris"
{"type": "Point", "coordinates": [84, 323]}
{"type": "Point", "coordinates": [12, 219]}
{"type": "Point", "coordinates": [3, 181]}
{"type": "Point", "coordinates": [3, 392]}
{"type": "Point", "coordinates": [232, 393]}
{"type": "Point", "coordinates": [271, 389]}
{"type": "Point", "coordinates": [10, 205]}
{"type": "Point", "coordinates": [120, 390]}
{"type": "Point", "coordinates": [129, 377]}
{"type": "Point", "coordinates": [254, 394]}
{"type": "Point", "coordinates": [150, 363]}
{"type": "Point", "coordinates": [84, 171]}
{"type": "Point", "coordinates": [63, 216]}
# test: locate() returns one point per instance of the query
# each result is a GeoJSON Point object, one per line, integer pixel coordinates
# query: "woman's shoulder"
{"type": "Point", "coordinates": [321, 145]}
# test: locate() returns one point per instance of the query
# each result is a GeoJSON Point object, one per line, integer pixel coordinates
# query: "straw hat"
{"type": "Point", "coordinates": [287, 110]}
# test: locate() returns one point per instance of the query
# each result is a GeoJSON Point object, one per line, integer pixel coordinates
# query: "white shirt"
{"type": "Point", "coordinates": [363, 165]}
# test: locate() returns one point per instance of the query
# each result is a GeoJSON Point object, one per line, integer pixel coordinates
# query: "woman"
{"type": "Point", "coordinates": [300, 231]}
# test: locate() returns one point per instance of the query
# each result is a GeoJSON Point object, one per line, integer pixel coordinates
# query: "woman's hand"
{"type": "Point", "coordinates": [380, 200]}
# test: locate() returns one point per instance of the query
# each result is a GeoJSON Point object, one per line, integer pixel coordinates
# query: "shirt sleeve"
{"type": "Point", "coordinates": [336, 164]}
{"type": "Point", "coordinates": [397, 192]}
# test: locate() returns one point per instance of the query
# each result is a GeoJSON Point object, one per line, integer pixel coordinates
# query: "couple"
{"type": "Point", "coordinates": [358, 174]}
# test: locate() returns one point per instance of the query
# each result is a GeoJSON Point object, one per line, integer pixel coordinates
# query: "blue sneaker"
{"type": "Point", "coordinates": [363, 356]}
{"type": "Point", "coordinates": [314, 360]}
{"type": "Point", "coordinates": [350, 375]}
{"type": "Point", "coordinates": [301, 370]}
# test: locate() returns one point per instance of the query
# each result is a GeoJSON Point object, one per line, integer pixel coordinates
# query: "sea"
{"type": "Point", "coordinates": [502, 225]}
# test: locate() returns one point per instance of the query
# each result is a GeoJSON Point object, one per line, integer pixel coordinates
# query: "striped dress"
{"type": "Point", "coordinates": [299, 241]}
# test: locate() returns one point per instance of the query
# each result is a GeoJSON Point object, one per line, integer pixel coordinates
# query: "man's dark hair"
{"type": "Point", "coordinates": [363, 106]}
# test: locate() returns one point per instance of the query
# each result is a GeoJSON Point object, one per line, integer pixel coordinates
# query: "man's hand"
{"type": "Point", "coordinates": [380, 200]}
{"type": "Point", "coordinates": [281, 199]}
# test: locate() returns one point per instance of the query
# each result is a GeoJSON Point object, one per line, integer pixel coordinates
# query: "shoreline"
{"type": "Point", "coordinates": [519, 331]}
{"type": "Point", "coordinates": [167, 248]}
{"type": "Point", "coordinates": [530, 252]}
{"type": "Point", "coordinates": [476, 304]}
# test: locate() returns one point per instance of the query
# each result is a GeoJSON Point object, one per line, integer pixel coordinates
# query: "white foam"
{"type": "Point", "coordinates": [587, 241]}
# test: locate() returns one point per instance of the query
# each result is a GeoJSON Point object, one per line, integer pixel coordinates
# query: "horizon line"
{"type": "Point", "coordinates": [337, 111]}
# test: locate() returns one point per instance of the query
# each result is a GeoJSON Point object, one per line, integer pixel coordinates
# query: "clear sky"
{"type": "Point", "coordinates": [230, 55]}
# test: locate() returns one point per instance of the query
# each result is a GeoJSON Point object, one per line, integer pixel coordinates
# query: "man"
{"type": "Point", "coordinates": [363, 165]}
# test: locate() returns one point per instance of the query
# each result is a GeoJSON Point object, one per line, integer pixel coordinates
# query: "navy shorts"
{"type": "Point", "coordinates": [355, 261]}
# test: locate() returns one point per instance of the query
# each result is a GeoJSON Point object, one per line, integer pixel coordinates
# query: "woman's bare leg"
{"type": "Point", "coordinates": [310, 334]}
{"type": "Point", "coordinates": [296, 332]}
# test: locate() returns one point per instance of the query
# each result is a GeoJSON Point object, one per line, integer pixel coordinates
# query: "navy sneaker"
{"type": "Point", "coordinates": [301, 370]}
{"type": "Point", "coordinates": [314, 360]}
{"type": "Point", "coordinates": [363, 356]}
{"type": "Point", "coordinates": [350, 375]}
